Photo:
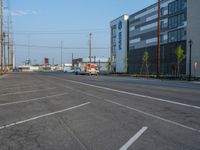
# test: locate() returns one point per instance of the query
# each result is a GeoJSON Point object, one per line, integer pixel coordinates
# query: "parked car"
{"type": "Point", "coordinates": [68, 70]}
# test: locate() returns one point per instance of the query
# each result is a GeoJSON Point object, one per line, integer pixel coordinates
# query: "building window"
{"type": "Point", "coordinates": [162, 24]}
{"type": "Point", "coordinates": [176, 21]}
{"type": "Point", "coordinates": [176, 6]}
{"type": "Point", "coordinates": [162, 38]}
{"type": "Point", "coordinates": [162, 11]}
{"type": "Point", "coordinates": [114, 41]}
{"type": "Point", "coordinates": [176, 35]}
{"type": "Point", "coordinates": [113, 49]}
{"type": "Point", "coordinates": [114, 31]}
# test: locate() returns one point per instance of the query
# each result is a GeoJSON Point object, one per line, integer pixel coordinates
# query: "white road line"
{"type": "Point", "coordinates": [133, 94]}
{"type": "Point", "coordinates": [139, 111]}
{"type": "Point", "coordinates": [27, 91]}
{"type": "Point", "coordinates": [21, 86]}
{"type": "Point", "coordinates": [154, 116]}
{"type": "Point", "coordinates": [34, 99]}
{"type": "Point", "coordinates": [42, 116]}
{"type": "Point", "coordinates": [133, 139]}
{"type": "Point", "coordinates": [197, 82]}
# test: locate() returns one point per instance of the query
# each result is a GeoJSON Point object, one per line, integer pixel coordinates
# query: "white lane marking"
{"type": "Point", "coordinates": [133, 139]}
{"type": "Point", "coordinates": [21, 86]}
{"type": "Point", "coordinates": [27, 91]}
{"type": "Point", "coordinates": [196, 82]}
{"type": "Point", "coordinates": [139, 111]}
{"type": "Point", "coordinates": [34, 99]}
{"type": "Point", "coordinates": [42, 116]}
{"type": "Point", "coordinates": [132, 94]}
{"type": "Point", "coordinates": [153, 116]}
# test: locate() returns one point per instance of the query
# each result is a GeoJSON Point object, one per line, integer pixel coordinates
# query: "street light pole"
{"type": "Point", "coordinates": [190, 60]}
{"type": "Point", "coordinates": [90, 47]}
{"type": "Point", "coordinates": [61, 54]}
{"type": "Point", "coordinates": [158, 42]}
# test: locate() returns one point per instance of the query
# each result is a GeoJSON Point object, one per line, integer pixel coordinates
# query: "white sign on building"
{"type": "Point", "coordinates": [119, 43]}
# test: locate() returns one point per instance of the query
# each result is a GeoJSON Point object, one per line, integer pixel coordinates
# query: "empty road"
{"type": "Point", "coordinates": [55, 111]}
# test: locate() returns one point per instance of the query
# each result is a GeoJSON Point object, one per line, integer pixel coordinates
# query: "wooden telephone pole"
{"type": "Point", "coordinates": [158, 37]}
{"type": "Point", "coordinates": [1, 28]}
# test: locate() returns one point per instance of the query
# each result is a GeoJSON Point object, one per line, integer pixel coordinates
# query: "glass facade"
{"type": "Point", "coordinates": [176, 6]}
{"type": "Point", "coordinates": [173, 25]}
{"type": "Point", "coordinates": [176, 21]}
{"type": "Point", "coordinates": [113, 45]}
{"type": "Point", "coordinates": [176, 35]}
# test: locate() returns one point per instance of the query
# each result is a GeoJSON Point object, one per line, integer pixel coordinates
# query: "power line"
{"type": "Point", "coordinates": [57, 47]}
{"type": "Point", "coordinates": [78, 32]}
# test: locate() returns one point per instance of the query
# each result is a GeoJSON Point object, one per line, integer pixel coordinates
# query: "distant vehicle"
{"type": "Point", "coordinates": [16, 70]}
{"type": "Point", "coordinates": [86, 69]}
{"type": "Point", "coordinates": [68, 70]}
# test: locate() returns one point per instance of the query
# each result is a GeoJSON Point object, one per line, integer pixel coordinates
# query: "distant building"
{"type": "Point", "coordinates": [46, 61]}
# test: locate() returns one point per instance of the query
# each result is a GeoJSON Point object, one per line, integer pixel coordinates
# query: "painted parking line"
{"type": "Point", "coordinates": [153, 116]}
{"type": "Point", "coordinates": [42, 116]}
{"type": "Point", "coordinates": [34, 99]}
{"type": "Point", "coordinates": [129, 93]}
{"type": "Point", "coordinates": [137, 110]}
{"type": "Point", "coordinates": [31, 91]}
{"type": "Point", "coordinates": [21, 86]}
{"type": "Point", "coordinates": [133, 139]}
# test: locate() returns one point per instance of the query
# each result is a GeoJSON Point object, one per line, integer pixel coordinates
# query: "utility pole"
{"type": "Point", "coordinates": [1, 28]}
{"type": "Point", "coordinates": [52, 61]}
{"type": "Point", "coordinates": [4, 52]}
{"type": "Point", "coordinates": [61, 54]}
{"type": "Point", "coordinates": [11, 46]}
{"type": "Point", "coordinates": [72, 59]}
{"type": "Point", "coordinates": [29, 49]}
{"type": "Point", "coordinates": [90, 46]}
{"type": "Point", "coordinates": [8, 50]}
{"type": "Point", "coordinates": [158, 42]}
{"type": "Point", "coordinates": [8, 36]}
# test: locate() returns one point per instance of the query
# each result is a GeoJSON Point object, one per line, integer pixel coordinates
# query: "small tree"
{"type": "Point", "coordinates": [180, 57]}
{"type": "Point", "coordinates": [145, 61]}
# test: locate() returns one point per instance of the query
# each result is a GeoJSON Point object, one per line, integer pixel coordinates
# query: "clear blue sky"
{"type": "Point", "coordinates": [41, 22]}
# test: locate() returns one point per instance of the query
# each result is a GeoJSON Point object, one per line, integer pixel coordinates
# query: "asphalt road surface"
{"type": "Point", "coordinates": [49, 111]}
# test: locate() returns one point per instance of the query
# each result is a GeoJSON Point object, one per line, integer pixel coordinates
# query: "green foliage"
{"type": "Point", "coordinates": [145, 62]}
{"type": "Point", "coordinates": [180, 57]}
{"type": "Point", "coordinates": [180, 54]}
{"type": "Point", "coordinates": [145, 57]}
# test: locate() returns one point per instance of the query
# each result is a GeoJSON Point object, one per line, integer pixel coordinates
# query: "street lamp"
{"type": "Point", "coordinates": [190, 59]}
{"type": "Point", "coordinates": [61, 54]}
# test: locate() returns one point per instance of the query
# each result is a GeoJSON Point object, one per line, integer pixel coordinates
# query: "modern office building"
{"type": "Point", "coordinates": [119, 44]}
{"type": "Point", "coordinates": [180, 23]}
